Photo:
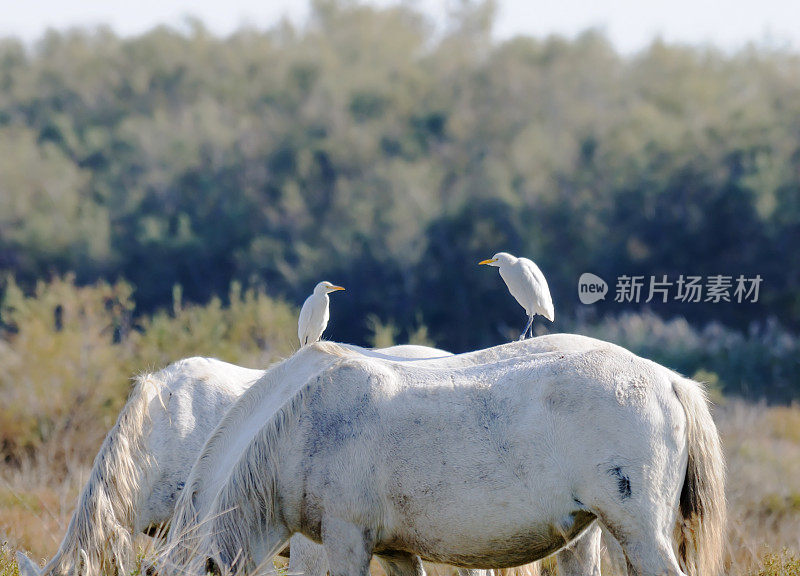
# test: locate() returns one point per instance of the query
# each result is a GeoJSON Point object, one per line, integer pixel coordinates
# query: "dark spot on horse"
{"type": "Point", "coordinates": [181, 485]}
{"type": "Point", "coordinates": [623, 482]}
{"type": "Point", "coordinates": [368, 537]}
{"type": "Point", "coordinates": [212, 567]}
{"type": "Point", "coordinates": [561, 401]}
{"type": "Point", "coordinates": [402, 503]}
{"type": "Point", "coordinates": [577, 501]}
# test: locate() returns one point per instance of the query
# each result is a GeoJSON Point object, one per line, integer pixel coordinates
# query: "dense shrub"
{"type": "Point", "coordinates": [68, 354]}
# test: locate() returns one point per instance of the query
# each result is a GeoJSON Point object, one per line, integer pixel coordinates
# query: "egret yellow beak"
{"type": "Point", "coordinates": [489, 261]}
{"type": "Point", "coordinates": [332, 288]}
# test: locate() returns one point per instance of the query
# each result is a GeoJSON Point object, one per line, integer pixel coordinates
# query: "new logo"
{"type": "Point", "coordinates": [591, 288]}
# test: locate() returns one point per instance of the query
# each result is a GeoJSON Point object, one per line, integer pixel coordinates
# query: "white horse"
{"type": "Point", "coordinates": [145, 459]}
{"type": "Point", "coordinates": [492, 465]}
{"type": "Point", "coordinates": [278, 385]}
{"type": "Point", "coordinates": [143, 463]}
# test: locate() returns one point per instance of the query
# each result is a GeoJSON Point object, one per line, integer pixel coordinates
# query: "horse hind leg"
{"type": "Point", "coordinates": [616, 557]}
{"type": "Point", "coordinates": [348, 547]}
{"type": "Point", "coordinates": [648, 552]}
{"type": "Point", "coordinates": [401, 564]}
{"type": "Point", "coordinates": [641, 514]}
{"type": "Point", "coordinates": [652, 558]}
{"type": "Point", "coordinates": [307, 557]}
{"type": "Point", "coordinates": [582, 556]}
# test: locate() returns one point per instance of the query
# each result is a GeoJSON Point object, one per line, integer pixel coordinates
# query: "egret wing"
{"type": "Point", "coordinates": [304, 323]}
{"type": "Point", "coordinates": [515, 282]}
{"type": "Point", "coordinates": [543, 302]}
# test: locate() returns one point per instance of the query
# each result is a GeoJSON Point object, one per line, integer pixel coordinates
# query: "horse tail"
{"type": "Point", "coordinates": [700, 528]}
{"type": "Point", "coordinates": [99, 537]}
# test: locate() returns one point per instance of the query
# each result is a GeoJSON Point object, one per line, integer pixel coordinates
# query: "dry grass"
{"type": "Point", "coordinates": [784, 564]}
{"type": "Point", "coordinates": [762, 447]}
{"type": "Point", "coordinates": [36, 503]}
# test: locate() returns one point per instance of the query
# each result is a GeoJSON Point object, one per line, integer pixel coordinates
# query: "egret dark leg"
{"type": "Point", "coordinates": [527, 327]}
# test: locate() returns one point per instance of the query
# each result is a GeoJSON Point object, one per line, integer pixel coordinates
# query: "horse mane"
{"type": "Point", "coordinates": [254, 396]}
{"type": "Point", "coordinates": [99, 536]}
{"type": "Point", "coordinates": [185, 529]}
{"type": "Point", "coordinates": [335, 349]}
{"type": "Point", "coordinates": [245, 504]}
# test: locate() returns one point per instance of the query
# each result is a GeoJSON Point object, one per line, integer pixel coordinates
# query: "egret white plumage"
{"type": "Point", "coordinates": [315, 313]}
{"type": "Point", "coordinates": [527, 285]}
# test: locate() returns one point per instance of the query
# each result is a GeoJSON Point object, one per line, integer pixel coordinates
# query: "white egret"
{"type": "Point", "coordinates": [314, 314]}
{"type": "Point", "coordinates": [527, 285]}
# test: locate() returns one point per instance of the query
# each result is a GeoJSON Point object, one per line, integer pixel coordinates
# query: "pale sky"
{"type": "Point", "coordinates": [630, 24]}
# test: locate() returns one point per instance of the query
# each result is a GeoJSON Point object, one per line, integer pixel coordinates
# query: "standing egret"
{"type": "Point", "coordinates": [527, 284]}
{"type": "Point", "coordinates": [314, 314]}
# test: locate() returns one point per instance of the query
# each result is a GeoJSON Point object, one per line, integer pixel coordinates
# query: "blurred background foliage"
{"type": "Point", "coordinates": [178, 193]}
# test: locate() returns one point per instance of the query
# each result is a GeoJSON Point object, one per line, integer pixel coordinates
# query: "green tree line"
{"type": "Point", "coordinates": [370, 149]}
